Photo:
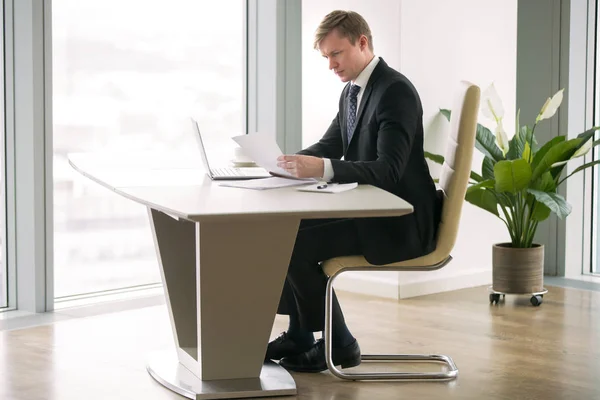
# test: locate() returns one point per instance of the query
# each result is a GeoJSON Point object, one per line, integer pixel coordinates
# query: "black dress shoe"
{"type": "Point", "coordinates": [284, 346]}
{"type": "Point", "coordinates": [313, 360]}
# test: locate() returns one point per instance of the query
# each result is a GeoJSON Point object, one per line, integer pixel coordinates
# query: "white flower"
{"type": "Point", "coordinates": [582, 151]}
{"type": "Point", "coordinates": [501, 137]}
{"type": "Point", "coordinates": [491, 105]}
{"type": "Point", "coordinates": [550, 106]}
{"type": "Point", "coordinates": [559, 163]}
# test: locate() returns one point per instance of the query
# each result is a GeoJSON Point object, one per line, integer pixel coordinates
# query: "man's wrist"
{"type": "Point", "coordinates": [327, 170]}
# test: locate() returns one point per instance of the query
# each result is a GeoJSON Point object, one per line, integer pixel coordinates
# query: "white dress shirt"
{"type": "Point", "coordinates": [361, 81]}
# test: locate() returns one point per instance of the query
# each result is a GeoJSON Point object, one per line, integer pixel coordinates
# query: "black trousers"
{"type": "Point", "coordinates": [305, 283]}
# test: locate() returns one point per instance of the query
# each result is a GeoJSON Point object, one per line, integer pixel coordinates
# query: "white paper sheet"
{"type": "Point", "coordinates": [263, 149]}
{"type": "Point", "coordinates": [266, 183]}
{"type": "Point", "coordinates": [329, 188]}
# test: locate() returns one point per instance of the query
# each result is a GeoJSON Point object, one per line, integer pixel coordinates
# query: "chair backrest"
{"type": "Point", "coordinates": [456, 170]}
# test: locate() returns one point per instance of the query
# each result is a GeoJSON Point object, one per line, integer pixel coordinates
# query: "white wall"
{"type": "Point", "coordinates": [435, 44]}
{"type": "Point", "coordinates": [441, 44]}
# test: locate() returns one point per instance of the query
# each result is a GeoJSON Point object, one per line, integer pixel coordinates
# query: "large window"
{"type": "Point", "coordinates": [127, 75]}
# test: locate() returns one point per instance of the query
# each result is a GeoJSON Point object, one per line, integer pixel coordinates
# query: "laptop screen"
{"type": "Point", "coordinates": [201, 146]}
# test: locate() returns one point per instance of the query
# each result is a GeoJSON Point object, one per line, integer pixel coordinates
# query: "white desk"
{"type": "Point", "coordinates": [223, 254]}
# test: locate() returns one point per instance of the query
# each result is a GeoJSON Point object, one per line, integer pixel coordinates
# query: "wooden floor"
{"type": "Point", "coordinates": [506, 351]}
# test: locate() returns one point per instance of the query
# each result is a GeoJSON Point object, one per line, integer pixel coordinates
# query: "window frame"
{"type": "Point", "coordinates": [9, 300]}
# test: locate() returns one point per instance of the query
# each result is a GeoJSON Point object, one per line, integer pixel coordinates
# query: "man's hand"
{"type": "Point", "coordinates": [302, 166]}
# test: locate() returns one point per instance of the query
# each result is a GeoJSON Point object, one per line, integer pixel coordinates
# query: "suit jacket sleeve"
{"type": "Point", "coordinates": [398, 114]}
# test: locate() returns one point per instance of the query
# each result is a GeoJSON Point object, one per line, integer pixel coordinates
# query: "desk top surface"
{"type": "Point", "coordinates": [180, 187]}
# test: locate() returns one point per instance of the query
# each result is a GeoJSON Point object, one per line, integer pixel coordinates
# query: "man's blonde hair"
{"type": "Point", "coordinates": [349, 24]}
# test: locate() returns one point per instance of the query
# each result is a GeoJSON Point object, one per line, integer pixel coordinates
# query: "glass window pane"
{"type": "Point", "coordinates": [3, 265]}
{"type": "Point", "coordinates": [128, 74]}
{"type": "Point", "coordinates": [595, 267]}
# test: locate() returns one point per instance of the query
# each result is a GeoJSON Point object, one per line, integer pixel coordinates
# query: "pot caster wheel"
{"type": "Point", "coordinates": [536, 300]}
{"type": "Point", "coordinates": [494, 298]}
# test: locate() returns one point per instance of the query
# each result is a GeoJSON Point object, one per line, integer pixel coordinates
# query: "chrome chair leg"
{"type": "Point", "coordinates": [451, 369]}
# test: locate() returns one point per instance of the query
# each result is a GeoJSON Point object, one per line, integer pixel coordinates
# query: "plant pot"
{"type": "Point", "coordinates": [517, 270]}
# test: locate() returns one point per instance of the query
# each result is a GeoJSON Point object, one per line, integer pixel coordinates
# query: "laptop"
{"type": "Point", "coordinates": [227, 173]}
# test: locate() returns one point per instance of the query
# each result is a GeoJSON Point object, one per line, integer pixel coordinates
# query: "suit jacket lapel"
{"type": "Point", "coordinates": [361, 108]}
{"type": "Point", "coordinates": [365, 98]}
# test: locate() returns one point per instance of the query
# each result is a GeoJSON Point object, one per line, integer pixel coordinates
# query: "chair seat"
{"type": "Point", "coordinates": [333, 265]}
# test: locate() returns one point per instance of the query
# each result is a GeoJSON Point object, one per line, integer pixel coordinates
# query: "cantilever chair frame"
{"type": "Point", "coordinates": [452, 370]}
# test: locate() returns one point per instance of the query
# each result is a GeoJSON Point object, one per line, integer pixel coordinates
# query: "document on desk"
{"type": "Point", "coordinates": [263, 150]}
{"type": "Point", "coordinates": [328, 188]}
{"type": "Point", "coordinates": [266, 183]}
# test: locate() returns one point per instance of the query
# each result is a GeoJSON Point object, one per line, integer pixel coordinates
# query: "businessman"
{"type": "Point", "coordinates": [379, 133]}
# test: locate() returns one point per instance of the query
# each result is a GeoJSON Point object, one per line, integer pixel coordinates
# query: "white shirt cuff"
{"type": "Point", "coordinates": [327, 170]}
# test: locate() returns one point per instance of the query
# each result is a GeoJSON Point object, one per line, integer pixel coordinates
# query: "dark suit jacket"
{"type": "Point", "coordinates": [386, 150]}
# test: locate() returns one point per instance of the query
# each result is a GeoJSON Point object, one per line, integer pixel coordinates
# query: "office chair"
{"type": "Point", "coordinates": [453, 181]}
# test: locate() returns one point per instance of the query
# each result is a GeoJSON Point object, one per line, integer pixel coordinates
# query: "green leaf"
{"type": "Point", "coordinates": [519, 143]}
{"type": "Point", "coordinates": [526, 152]}
{"type": "Point", "coordinates": [515, 148]}
{"type": "Point", "coordinates": [580, 168]}
{"type": "Point", "coordinates": [476, 177]}
{"type": "Point", "coordinates": [434, 157]}
{"type": "Point", "coordinates": [487, 168]}
{"type": "Point", "coordinates": [560, 152]}
{"type": "Point", "coordinates": [546, 183]}
{"type": "Point", "coordinates": [483, 198]}
{"type": "Point", "coordinates": [587, 134]}
{"type": "Point", "coordinates": [446, 113]}
{"type": "Point", "coordinates": [554, 201]}
{"type": "Point", "coordinates": [545, 148]}
{"type": "Point", "coordinates": [485, 142]}
{"type": "Point", "coordinates": [584, 137]}
{"type": "Point", "coordinates": [540, 212]}
{"type": "Point", "coordinates": [487, 184]}
{"type": "Point", "coordinates": [528, 137]}
{"type": "Point", "coordinates": [512, 175]}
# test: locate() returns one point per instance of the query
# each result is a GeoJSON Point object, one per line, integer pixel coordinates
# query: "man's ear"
{"type": "Point", "coordinates": [363, 42]}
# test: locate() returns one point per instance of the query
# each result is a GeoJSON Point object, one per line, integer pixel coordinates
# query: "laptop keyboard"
{"type": "Point", "coordinates": [226, 172]}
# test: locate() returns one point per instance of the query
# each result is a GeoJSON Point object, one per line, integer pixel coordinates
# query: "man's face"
{"type": "Point", "coordinates": [345, 59]}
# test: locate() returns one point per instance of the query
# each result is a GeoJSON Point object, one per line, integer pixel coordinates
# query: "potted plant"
{"type": "Point", "coordinates": [519, 184]}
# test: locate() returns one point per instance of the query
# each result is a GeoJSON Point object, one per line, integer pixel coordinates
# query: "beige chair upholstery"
{"type": "Point", "coordinates": [454, 180]}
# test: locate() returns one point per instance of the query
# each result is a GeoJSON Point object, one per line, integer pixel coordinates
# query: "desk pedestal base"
{"type": "Point", "coordinates": [166, 369]}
